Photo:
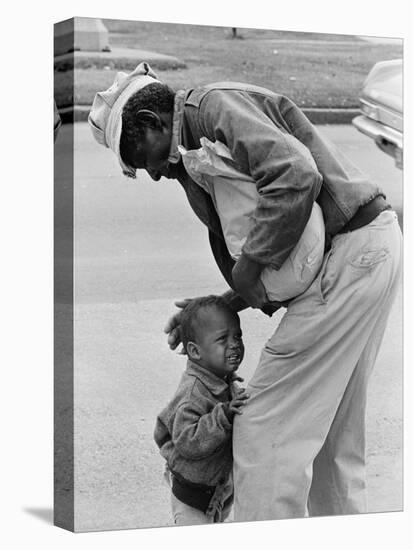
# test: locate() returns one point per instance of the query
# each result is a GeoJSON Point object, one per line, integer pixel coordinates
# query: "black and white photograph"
{"type": "Point", "coordinates": [206, 275]}
{"type": "Point", "coordinates": [228, 255]}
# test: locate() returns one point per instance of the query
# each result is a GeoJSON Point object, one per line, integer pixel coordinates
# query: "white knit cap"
{"type": "Point", "coordinates": [105, 117]}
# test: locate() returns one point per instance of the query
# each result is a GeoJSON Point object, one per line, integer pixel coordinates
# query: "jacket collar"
{"type": "Point", "coordinates": [179, 104]}
{"type": "Point", "coordinates": [214, 384]}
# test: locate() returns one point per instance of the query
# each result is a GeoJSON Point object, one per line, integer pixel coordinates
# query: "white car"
{"type": "Point", "coordinates": [382, 108]}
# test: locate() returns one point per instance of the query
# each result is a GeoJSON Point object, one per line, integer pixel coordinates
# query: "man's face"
{"type": "Point", "coordinates": [220, 344]}
{"type": "Point", "coordinates": [153, 153]}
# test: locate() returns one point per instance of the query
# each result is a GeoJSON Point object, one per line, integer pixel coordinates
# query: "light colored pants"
{"type": "Point", "coordinates": [299, 446]}
{"type": "Point", "coordinates": [187, 515]}
{"type": "Point", "coordinates": [183, 514]}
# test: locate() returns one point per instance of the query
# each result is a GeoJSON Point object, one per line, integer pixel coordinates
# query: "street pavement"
{"type": "Point", "coordinates": [139, 247]}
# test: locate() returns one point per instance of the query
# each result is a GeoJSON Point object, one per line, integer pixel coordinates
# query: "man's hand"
{"type": "Point", "coordinates": [246, 278]}
{"type": "Point", "coordinates": [172, 326]}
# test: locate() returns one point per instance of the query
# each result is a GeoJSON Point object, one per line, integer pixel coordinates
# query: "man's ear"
{"type": "Point", "coordinates": [192, 350]}
{"type": "Point", "coordinates": [148, 118]}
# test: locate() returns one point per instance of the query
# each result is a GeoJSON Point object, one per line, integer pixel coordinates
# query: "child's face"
{"type": "Point", "coordinates": [219, 343]}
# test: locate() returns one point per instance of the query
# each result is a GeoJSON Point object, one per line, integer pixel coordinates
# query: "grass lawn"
{"type": "Point", "coordinates": [315, 70]}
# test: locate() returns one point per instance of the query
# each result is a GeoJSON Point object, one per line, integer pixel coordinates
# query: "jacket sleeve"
{"type": "Point", "coordinates": [196, 435]}
{"type": "Point", "coordinates": [286, 176]}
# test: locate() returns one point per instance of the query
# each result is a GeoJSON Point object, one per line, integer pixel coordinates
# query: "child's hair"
{"type": "Point", "coordinates": [156, 97]}
{"type": "Point", "coordinates": [189, 322]}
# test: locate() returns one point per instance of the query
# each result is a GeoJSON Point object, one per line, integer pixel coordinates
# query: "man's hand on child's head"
{"type": "Point", "coordinates": [172, 326]}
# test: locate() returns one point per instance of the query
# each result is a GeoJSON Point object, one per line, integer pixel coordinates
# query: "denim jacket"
{"type": "Point", "coordinates": [272, 140]}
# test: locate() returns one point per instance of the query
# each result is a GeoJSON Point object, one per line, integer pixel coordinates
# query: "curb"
{"type": "Point", "coordinates": [118, 58]}
{"type": "Point", "coordinates": [331, 116]}
{"type": "Point", "coordinates": [79, 113]}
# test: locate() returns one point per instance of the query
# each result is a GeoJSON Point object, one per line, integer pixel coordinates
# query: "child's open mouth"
{"type": "Point", "coordinates": [234, 358]}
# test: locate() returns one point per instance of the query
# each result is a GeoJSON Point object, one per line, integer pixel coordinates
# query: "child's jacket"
{"type": "Point", "coordinates": [194, 433]}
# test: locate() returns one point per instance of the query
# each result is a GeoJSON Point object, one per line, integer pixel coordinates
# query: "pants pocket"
{"type": "Point", "coordinates": [369, 258]}
{"type": "Point", "coordinates": [324, 277]}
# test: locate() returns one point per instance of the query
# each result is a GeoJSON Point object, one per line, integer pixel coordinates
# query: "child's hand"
{"type": "Point", "coordinates": [238, 402]}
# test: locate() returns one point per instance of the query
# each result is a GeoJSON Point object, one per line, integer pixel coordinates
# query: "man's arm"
{"type": "Point", "coordinates": [234, 300]}
{"type": "Point", "coordinates": [286, 176]}
{"type": "Point", "coordinates": [248, 294]}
